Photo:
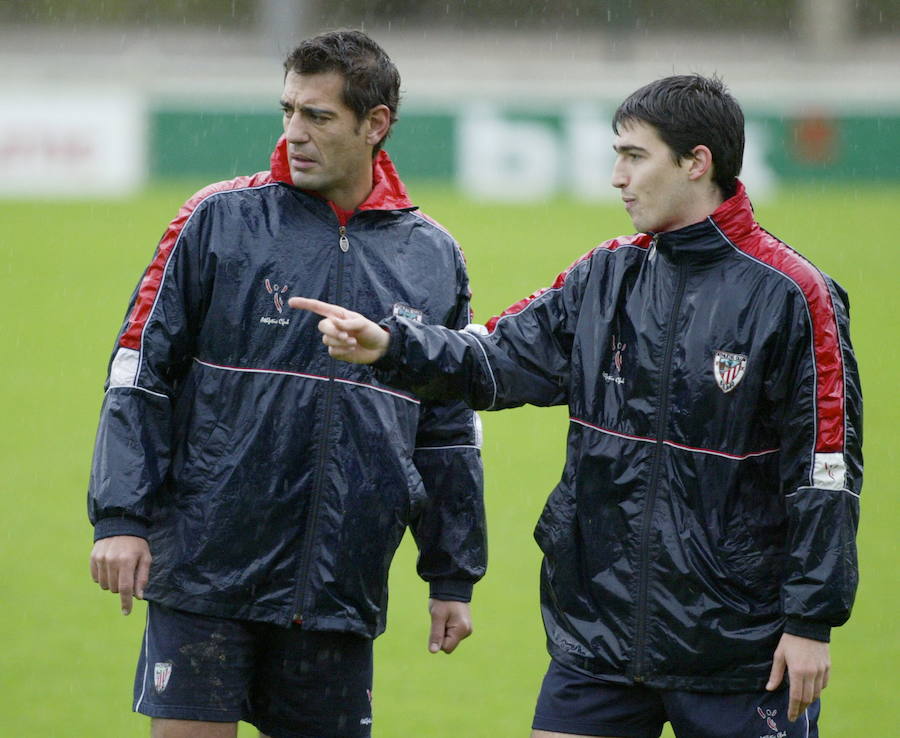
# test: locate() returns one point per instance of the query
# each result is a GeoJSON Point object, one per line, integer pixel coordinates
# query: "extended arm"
{"type": "Point", "coordinates": [524, 358]}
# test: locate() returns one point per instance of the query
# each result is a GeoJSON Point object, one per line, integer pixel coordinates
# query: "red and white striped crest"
{"type": "Point", "coordinates": [161, 673]}
{"type": "Point", "coordinates": [728, 369]}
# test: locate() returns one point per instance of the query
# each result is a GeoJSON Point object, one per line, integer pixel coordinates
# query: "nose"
{"type": "Point", "coordinates": [619, 178]}
{"type": "Point", "coordinates": [295, 129]}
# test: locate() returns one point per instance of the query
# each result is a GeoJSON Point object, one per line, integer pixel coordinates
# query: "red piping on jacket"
{"type": "Point", "coordinates": [388, 193]}
{"type": "Point", "coordinates": [735, 218]}
{"type": "Point", "coordinates": [153, 276]}
{"type": "Point", "coordinates": [641, 240]}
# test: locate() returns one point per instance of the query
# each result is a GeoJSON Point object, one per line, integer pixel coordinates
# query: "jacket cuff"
{"type": "Point", "coordinates": [120, 526]}
{"type": "Point", "coordinates": [455, 590]}
{"type": "Point", "coordinates": [391, 358]}
{"type": "Point", "coordinates": [811, 629]}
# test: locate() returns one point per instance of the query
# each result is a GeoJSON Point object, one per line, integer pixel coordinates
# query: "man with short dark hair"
{"type": "Point", "coordinates": [270, 484]}
{"type": "Point", "coordinates": [701, 541]}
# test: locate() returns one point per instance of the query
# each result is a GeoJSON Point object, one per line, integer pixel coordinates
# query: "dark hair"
{"type": "Point", "coordinates": [370, 77]}
{"type": "Point", "coordinates": [688, 111]}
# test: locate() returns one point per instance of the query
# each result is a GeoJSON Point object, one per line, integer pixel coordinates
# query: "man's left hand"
{"type": "Point", "coordinates": [450, 623]}
{"type": "Point", "coordinates": [808, 665]}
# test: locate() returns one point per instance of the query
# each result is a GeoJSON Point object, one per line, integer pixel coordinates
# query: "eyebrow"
{"type": "Point", "coordinates": [628, 149]}
{"type": "Point", "coordinates": [307, 109]}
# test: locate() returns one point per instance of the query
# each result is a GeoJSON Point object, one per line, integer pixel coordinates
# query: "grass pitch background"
{"type": "Point", "coordinates": [67, 659]}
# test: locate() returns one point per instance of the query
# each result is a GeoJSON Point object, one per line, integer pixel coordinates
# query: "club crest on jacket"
{"type": "Point", "coordinates": [728, 369]}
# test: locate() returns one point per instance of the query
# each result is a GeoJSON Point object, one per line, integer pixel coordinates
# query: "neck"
{"type": "Point", "coordinates": [708, 200]}
{"type": "Point", "coordinates": [351, 197]}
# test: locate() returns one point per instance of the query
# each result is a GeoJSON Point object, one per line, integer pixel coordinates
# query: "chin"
{"type": "Point", "coordinates": [639, 226]}
{"type": "Point", "coordinates": [646, 226]}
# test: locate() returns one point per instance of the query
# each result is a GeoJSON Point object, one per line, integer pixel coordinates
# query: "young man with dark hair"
{"type": "Point", "coordinates": [701, 541]}
{"type": "Point", "coordinates": [254, 490]}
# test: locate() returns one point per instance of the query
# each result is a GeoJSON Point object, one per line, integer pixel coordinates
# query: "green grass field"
{"type": "Point", "coordinates": [68, 656]}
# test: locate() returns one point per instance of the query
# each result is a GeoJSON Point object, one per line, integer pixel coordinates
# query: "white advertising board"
{"type": "Point", "coordinates": [529, 158]}
{"type": "Point", "coordinates": [71, 144]}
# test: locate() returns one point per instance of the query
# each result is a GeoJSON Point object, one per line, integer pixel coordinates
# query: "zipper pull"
{"type": "Point", "coordinates": [652, 254]}
{"type": "Point", "coordinates": [344, 242]}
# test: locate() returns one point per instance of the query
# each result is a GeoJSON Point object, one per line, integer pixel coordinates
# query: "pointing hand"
{"type": "Point", "coordinates": [348, 335]}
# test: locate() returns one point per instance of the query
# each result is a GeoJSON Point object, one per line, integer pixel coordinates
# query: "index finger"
{"type": "Point", "coordinates": [126, 588]}
{"type": "Point", "coordinates": [439, 618]}
{"type": "Point", "coordinates": [325, 309]}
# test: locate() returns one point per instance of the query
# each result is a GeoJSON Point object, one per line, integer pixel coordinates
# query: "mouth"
{"type": "Point", "coordinates": [301, 163]}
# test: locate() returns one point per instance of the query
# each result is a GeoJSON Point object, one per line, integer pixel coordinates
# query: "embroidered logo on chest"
{"type": "Point", "coordinates": [277, 291]}
{"type": "Point", "coordinates": [728, 369]}
{"type": "Point", "coordinates": [618, 349]}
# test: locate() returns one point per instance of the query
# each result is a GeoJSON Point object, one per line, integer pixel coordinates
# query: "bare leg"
{"type": "Point", "coordinates": [164, 728]}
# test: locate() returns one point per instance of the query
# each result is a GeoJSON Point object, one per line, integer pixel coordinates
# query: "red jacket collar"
{"type": "Point", "coordinates": [388, 192]}
{"type": "Point", "coordinates": [735, 215]}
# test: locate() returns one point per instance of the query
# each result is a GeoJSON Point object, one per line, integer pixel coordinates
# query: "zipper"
{"type": "Point", "coordinates": [662, 418]}
{"type": "Point", "coordinates": [301, 594]}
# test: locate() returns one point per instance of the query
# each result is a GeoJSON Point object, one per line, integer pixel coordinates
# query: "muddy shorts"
{"type": "Point", "coordinates": [288, 682]}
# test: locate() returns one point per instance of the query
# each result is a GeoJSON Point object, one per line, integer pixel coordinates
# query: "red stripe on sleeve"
{"type": "Point", "coordinates": [642, 241]}
{"type": "Point", "coordinates": [153, 276]}
{"type": "Point", "coordinates": [829, 357]}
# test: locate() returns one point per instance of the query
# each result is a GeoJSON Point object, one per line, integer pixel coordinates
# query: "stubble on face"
{"type": "Point", "coordinates": [327, 148]}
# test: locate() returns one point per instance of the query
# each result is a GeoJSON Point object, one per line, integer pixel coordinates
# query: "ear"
{"type": "Point", "coordinates": [700, 162]}
{"type": "Point", "coordinates": [379, 122]}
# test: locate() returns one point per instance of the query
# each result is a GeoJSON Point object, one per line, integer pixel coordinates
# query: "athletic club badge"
{"type": "Point", "coordinates": [162, 670]}
{"type": "Point", "coordinates": [276, 291]}
{"type": "Point", "coordinates": [768, 716]}
{"type": "Point", "coordinates": [728, 369]}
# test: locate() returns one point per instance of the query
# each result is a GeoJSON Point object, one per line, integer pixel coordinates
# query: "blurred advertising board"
{"type": "Point", "coordinates": [494, 151]}
{"type": "Point", "coordinates": [84, 144]}
{"type": "Point", "coordinates": [71, 143]}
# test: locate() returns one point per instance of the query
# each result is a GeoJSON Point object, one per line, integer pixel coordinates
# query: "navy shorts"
{"type": "Point", "coordinates": [288, 682]}
{"type": "Point", "coordinates": [572, 702]}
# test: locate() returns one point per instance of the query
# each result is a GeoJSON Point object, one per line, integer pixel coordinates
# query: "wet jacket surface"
{"type": "Point", "coordinates": [272, 482]}
{"type": "Point", "coordinates": [710, 496]}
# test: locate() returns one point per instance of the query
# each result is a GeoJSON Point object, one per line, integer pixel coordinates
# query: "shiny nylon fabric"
{"type": "Point", "coordinates": [270, 480]}
{"type": "Point", "coordinates": [688, 530]}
